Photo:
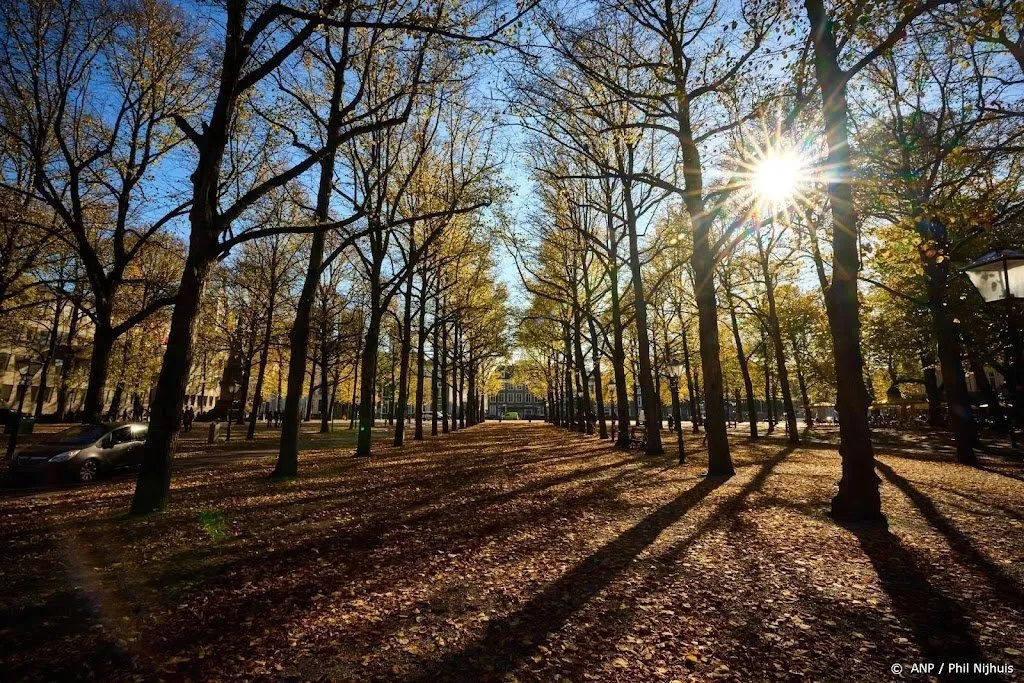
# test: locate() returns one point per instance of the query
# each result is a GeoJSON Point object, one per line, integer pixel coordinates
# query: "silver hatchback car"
{"type": "Point", "coordinates": [82, 453]}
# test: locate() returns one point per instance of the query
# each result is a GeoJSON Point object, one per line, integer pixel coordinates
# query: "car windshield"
{"type": "Point", "coordinates": [79, 434]}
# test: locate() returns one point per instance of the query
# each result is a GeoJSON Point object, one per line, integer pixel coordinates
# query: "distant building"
{"type": "Point", "coordinates": [514, 398]}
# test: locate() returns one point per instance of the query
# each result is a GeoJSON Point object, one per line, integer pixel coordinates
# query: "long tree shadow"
{"type": "Point", "coordinates": [1005, 585]}
{"type": "Point", "coordinates": [508, 641]}
{"type": "Point", "coordinates": [1002, 473]}
{"type": "Point", "coordinates": [940, 625]}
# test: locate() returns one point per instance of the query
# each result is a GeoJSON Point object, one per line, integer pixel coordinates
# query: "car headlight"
{"type": "Point", "coordinates": [64, 457]}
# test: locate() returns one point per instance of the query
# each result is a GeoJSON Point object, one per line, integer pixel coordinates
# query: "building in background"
{"type": "Point", "coordinates": [514, 397]}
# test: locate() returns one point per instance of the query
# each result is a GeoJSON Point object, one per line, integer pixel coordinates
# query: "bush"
{"type": "Point", "coordinates": [511, 416]}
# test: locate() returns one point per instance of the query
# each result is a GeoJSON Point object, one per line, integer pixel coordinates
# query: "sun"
{"type": "Point", "coordinates": [777, 177]}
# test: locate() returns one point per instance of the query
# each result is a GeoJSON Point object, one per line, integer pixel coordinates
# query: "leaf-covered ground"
{"type": "Point", "coordinates": [513, 551]}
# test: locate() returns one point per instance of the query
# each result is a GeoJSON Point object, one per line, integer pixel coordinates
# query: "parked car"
{"type": "Point", "coordinates": [81, 453]}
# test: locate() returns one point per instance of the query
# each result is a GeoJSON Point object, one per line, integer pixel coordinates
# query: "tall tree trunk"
{"type": "Point", "coordinates": [618, 347]}
{"type": "Point", "coordinates": [99, 364]}
{"type": "Point", "coordinates": [650, 398]}
{"type": "Point", "coordinates": [261, 368]}
{"type": "Point", "coordinates": [858, 498]}
{"type": "Point", "coordinates": [744, 363]}
{"type": "Point", "coordinates": [51, 348]}
{"type": "Point", "coordinates": [325, 367]}
{"type": "Point", "coordinates": [435, 366]}
{"type": "Point", "coordinates": [65, 368]}
{"type": "Point", "coordinates": [702, 261]}
{"type": "Point", "coordinates": [931, 388]}
{"type": "Point", "coordinates": [950, 361]}
{"type": "Point", "coordinates": [354, 406]}
{"type": "Point", "coordinates": [461, 369]}
{"type": "Point", "coordinates": [802, 382]}
{"type": "Point", "coordinates": [570, 395]}
{"type": "Point", "coordinates": [402, 407]}
{"type": "Point", "coordinates": [369, 369]}
{"type": "Point", "coordinates": [595, 353]}
{"type": "Point", "coordinates": [775, 334]}
{"type": "Point", "coordinates": [444, 378]}
{"type": "Point", "coordinates": [586, 421]}
{"type": "Point", "coordinates": [769, 405]}
{"type": "Point", "coordinates": [421, 365]}
{"type": "Point", "coordinates": [691, 386]}
{"type": "Point", "coordinates": [312, 388]}
{"type": "Point", "coordinates": [471, 388]}
{"type": "Point", "coordinates": [152, 490]}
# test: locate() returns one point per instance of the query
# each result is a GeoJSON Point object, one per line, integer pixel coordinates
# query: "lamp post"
{"type": "Point", "coordinates": [231, 405]}
{"type": "Point", "coordinates": [999, 276]}
{"type": "Point", "coordinates": [675, 370]}
{"type": "Point", "coordinates": [25, 372]}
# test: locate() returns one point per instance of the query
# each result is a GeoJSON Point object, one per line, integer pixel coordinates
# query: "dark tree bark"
{"type": "Point", "coordinates": [461, 369]}
{"type": "Point", "coordinates": [261, 366]}
{"type": "Point", "coordinates": [858, 498]}
{"type": "Point", "coordinates": [691, 387]}
{"type": "Point", "coordinates": [744, 363]}
{"type": "Point", "coordinates": [951, 363]}
{"type": "Point", "coordinates": [65, 368]}
{"type": "Point", "coordinates": [434, 364]}
{"type": "Point", "coordinates": [802, 382]}
{"type": "Point", "coordinates": [99, 364]}
{"type": "Point", "coordinates": [650, 399]}
{"type": "Point", "coordinates": [312, 388]}
{"type": "Point", "coordinates": [357, 362]}
{"type": "Point", "coordinates": [931, 388]}
{"type": "Point", "coordinates": [570, 395]}
{"type": "Point", "coordinates": [325, 366]}
{"type": "Point", "coordinates": [775, 334]}
{"type": "Point", "coordinates": [586, 421]}
{"type": "Point", "coordinates": [444, 377]}
{"type": "Point", "coordinates": [369, 368]}
{"type": "Point", "coordinates": [618, 347]}
{"type": "Point", "coordinates": [48, 357]}
{"type": "Point", "coordinates": [406, 349]}
{"type": "Point", "coordinates": [421, 365]}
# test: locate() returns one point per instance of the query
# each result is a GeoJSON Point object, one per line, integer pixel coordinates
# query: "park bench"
{"type": "Point", "coordinates": [638, 437]}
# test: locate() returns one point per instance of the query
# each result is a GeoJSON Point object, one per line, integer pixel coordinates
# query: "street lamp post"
{"type": "Point", "coordinates": [999, 276]}
{"type": "Point", "coordinates": [675, 370]}
{"type": "Point", "coordinates": [26, 373]}
{"type": "Point", "coordinates": [231, 405]}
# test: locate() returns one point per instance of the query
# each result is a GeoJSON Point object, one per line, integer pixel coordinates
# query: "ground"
{"type": "Point", "coordinates": [514, 551]}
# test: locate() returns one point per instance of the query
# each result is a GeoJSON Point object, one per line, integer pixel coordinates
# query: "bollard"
{"type": "Point", "coordinates": [212, 434]}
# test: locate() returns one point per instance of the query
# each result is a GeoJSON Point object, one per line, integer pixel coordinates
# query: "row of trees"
{"type": "Point", "coordinates": [791, 186]}
{"type": "Point", "coordinates": [307, 176]}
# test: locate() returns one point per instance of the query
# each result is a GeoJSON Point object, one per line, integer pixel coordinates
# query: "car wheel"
{"type": "Point", "coordinates": [89, 470]}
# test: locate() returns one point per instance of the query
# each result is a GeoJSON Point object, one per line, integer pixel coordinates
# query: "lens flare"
{"type": "Point", "coordinates": [777, 177]}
